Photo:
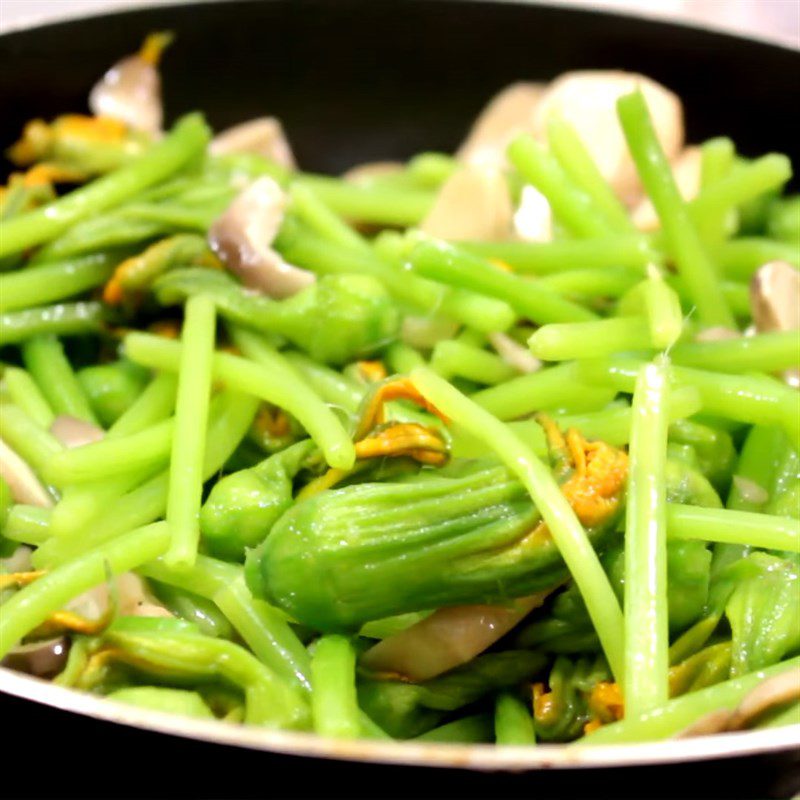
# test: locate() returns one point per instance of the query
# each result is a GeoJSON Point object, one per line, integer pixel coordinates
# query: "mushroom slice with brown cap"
{"type": "Point", "coordinates": [775, 303]}
{"type": "Point", "coordinates": [508, 113]}
{"type": "Point", "coordinates": [769, 695]}
{"type": "Point", "coordinates": [263, 136]}
{"type": "Point", "coordinates": [588, 101]}
{"type": "Point", "coordinates": [447, 638]}
{"type": "Point", "coordinates": [242, 238]}
{"type": "Point", "coordinates": [131, 90]}
{"type": "Point", "coordinates": [686, 171]}
{"type": "Point", "coordinates": [473, 203]}
{"type": "Point", "coordinates": [21, 479]}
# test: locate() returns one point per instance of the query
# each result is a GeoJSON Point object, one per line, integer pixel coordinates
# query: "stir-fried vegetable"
{"type": "Point", "coordinates": [525, 470]}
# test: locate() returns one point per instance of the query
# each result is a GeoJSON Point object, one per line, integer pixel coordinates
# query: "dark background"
{"type": "Point", "coordinates": [356, 80]}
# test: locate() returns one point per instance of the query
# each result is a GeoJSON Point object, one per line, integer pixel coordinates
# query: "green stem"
{"type": "Point", "coordinates": [513, 723]}
{"type": "Point", "coordinates": [63, 319]}
{"type": "Point", "coordinates": [646, 624]}
{"type": "Point", "coordinates": [24, 392]}
{"type": "Point", "coordinates": [334, 705]}
{"type": "Point", "coordinates": [764, 352]}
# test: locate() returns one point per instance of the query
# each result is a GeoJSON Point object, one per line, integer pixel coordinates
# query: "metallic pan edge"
{"type": "Point", "coordinates": [477, 757]}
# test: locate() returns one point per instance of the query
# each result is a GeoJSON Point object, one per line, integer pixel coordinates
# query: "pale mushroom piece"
{"type": "Point", "coordinates": [21, 479]}
{"type": "Point", "coordinates": [770, 694]}
{"type": "Point", "coordinates": [533, 219]}
{"type": "Point", "coordinates": [133, 598]}
{"type": "Point", "coordinates": [363, 174]}
{"type": "Point", "coordinates": [474, 203]}
{"type": "Point", "coordinates": [447, 638]}
{"type": "Point", "coordinates": [686, 170]}
{"type": "Point", "coordinates": [508, 113]}
{"type": "Point", "coordinates": [242, 237]}
{"type": "Point", "coordinates": [130, 92]}
{"type": "Point", "coordinates": [513, 353]}
{"type": "Point", "coordinates": [718, 333]}
{"type": "Point", "coordinates": [263, 136]}
{"type": "Point", "coordinates": [588, 101]}
{"type": "Point", "coordinates": [74, 432]}
{"type": "Point", "coordinates": [775, 303]}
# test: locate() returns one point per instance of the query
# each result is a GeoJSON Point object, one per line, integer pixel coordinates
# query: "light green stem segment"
{"type": "Point", "coordinates": [316, 214]}
{"type": "Point", "coordinates": [45, 359]}
{"type": "Point", "coordinates": [31, 606]}
{"type": "Point", "coordinates": [113, 456]}
{"type": "Point", "coordinates": [384, 205]}
{"type": "Point", "coordinates": [443, 262]}
{"type": "Point", "coordinates": [660, 304]}
{"type": "Point", "coordinates": [604, 337]}
{"type": "Point", "coordinates": [677, 714]}
{"type": "Point", "coordinates": [334, 705]}
{"type": "Point", "coordinates": [31, 442]}
{"type": "Point", "coordinates": [81, 503]}
{"type": "Point", "coordinates": [333, 387]}
{"type": "Point", "coordinates": [39, 285]}
{"type": "Point", "coordinates": [451, 358]}
{"type": "Point", "coordinates": [513, 723]}
{"type": "Point", "coordinates": [764, 352]}
{"type": "Point", "coordinates": [682, 239]}
{"type": "Point", "coordinates": [577, 162]}
{"type": "Point", "coordinates": [733, 527]}
{"type": "Point", "coordinates": [24, 392]}
{"type": "Point", "coordinates": [189, 439]}
{"type": "Point", "coordinates": [62, 319]}
{"type": "Point", "coordinates": [187, 139]}
{"type": "Point", "coordinates": [564, 526]}
{"type": "Point", "coordinates": [231, 416]}
{"type": "Point", "coordinates": [646, 622]}
{"type": "Point", "coordinates": [281, 387]}
{"type": "Point", "coordinates": [572, 206]}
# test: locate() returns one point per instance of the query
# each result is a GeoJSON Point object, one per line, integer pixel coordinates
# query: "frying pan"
{"type": "Point", "coordinates": [361, 80]}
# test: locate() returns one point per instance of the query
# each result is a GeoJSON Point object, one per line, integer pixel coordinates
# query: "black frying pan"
{"type": "Point", "coordinates": [353, 81]}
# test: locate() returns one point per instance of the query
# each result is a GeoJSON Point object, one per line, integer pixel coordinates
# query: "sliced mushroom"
{"type": "Point", "coordinates": [131, 90]}
{"type": "Point", "coordinates": [775, 303]}
{"type": "Point", "coordinates": [509, 112]}
{"type": "Point", "coordinates": [533, 219]}
{"type": "Point", "coordinates": [73, 432]}
{"type": "Point", "coordinates": [447, 638]}
{"type": "Point", "coordinates": [424, 333]}
{"type": "Point", "coordinates": [768, 695]}
{"type": "Point", "coordinates": [363, 174]}
{"type": "Point", "coordinates": [717, 334]}
{"type": "Point", "coordinates": [242, 238]}
{"type": "Point", "coordinates": [588, 101]}
{"type": "Point", "coordinates": [513, 353]}
{"type": "Point", "coordinates": [21, 479]}
{"type": "Point", "coordinates": [263, 136]}
{"type": "Point", "coordinates": [686, 170]}
{"type": "Point", "coordinates": [44, 659]}
{"type": "Point", "coordinates": [473, 203]}
{"type": "Point", "coordinates": [134, 599]}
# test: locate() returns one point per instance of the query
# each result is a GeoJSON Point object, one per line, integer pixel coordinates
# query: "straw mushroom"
{"type": "Point", "coordinates": [775, 303]}
{"type": "Point", "coordinates": [473, 203]}
{"type": "Point", "coordinates": [73, 432]}
{"type": "Point", "coordinates": [131, 90]}
{"type": "Point", "coordinates": [447, 638]}
{"type": "Point", "coordinates": [263, 136]}
{"type": "Point", "coordinates": [364, 174]}
{"type": "Point", "coordinates": [588, 101]}
{"type": "Point", "coordinates": [242, 237]}
{"type": "Point", "coordinates": [21, 479]}
{"type": "Point", "coordinates": [508, 113]}
{"type": "Point", "coordinates": [44, 659]}
{"type": "Point", "coordinates": [513, 353]}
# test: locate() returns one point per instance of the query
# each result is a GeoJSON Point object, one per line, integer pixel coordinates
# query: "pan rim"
{"type": "Point", "coordinates": [480, 757]}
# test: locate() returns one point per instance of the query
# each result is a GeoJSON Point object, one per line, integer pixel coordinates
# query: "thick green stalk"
{"type": "Point", "coordinates": [188, 441]}
{"type": "Point", "coordinates": [604, 337]}
{"type": "Point", "coordinates": [334, 705]}
{"type": "Point", "coordinates": [646, 623]}
{"type": "Point", "coordinates": [513, 723]}
{"type": "Point", "coordinates": [24, 392]}
{"type": "Point", "coordinates": [684, 244]}
{"type": "Point", "coordinates": [764, 352]}
{"type": "Point", "coordinates": [63, 319]}
{"type": "Point", "coordinates": [45, 359]}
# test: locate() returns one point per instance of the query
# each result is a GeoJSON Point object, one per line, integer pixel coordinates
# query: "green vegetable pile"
{"type": "Point", "coordinates": [286, 450]}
